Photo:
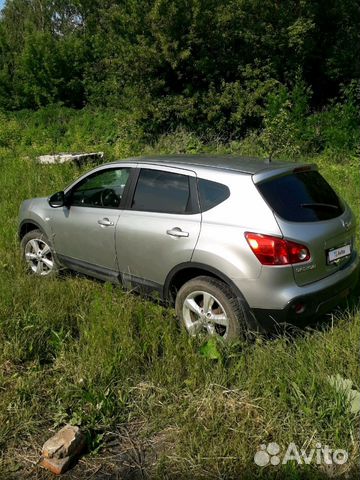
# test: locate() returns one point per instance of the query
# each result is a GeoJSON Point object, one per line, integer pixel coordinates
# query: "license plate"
{"type": "Point", "coordinates": [337, 253]}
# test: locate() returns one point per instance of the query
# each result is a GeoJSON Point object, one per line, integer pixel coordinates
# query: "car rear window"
{"type": "Point", "coordinates": [302, 197]}
{"type": "Point", "coordinates": [211, 193]}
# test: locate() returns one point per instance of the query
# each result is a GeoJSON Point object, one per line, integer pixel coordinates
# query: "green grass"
{"type": "Point", "coordinates": [76, 350]}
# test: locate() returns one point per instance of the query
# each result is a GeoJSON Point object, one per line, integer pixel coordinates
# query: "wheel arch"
{"type": "Point", "coordinates": [189, 270]}
{"type": "Point", "coordinates": [186, 271]}
{"type": "Point", "coordinates": [27, 226]}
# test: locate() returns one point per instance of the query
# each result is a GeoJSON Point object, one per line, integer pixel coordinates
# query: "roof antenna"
{"type": "Point", "coordinates": [269, 159]}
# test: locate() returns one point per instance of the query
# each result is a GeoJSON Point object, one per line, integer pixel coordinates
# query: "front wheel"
{"type": "Point", "coordinates": [205, 305]}
{"type": "Point", "coordinates": [38, 254]}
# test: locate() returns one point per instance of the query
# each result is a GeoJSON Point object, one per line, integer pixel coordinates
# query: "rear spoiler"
{"type": "Point", "coordinates": [280, 171]}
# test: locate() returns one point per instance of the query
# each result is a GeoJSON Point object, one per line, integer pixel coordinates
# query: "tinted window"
{"type": "Point", "coordinates": [158, 191]}
{"type": "Point", "coordinates": [103, 189]}
{"type": "Point", "coordinates": [211, 193]}
{"type": "Point", "coordinates": [302, 197]}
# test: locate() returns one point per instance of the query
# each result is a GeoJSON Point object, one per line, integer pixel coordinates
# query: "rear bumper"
{"type": "Point", "coordinates": [314, 304]}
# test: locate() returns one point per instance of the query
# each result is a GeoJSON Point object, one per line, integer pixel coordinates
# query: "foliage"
{"type": "Point", "coordinates": [210, 67]}
{"type": "Point", "coordinates": [289, 130]}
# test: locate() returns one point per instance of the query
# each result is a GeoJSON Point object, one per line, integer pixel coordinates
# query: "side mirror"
{"type": "Point", "coordinates": [57, 200]}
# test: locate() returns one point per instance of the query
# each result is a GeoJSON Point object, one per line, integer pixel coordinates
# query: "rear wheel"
{"type": "Point", "coordinates": [38, 254]}
{"type": "Point", "coordinates": [205, 305]}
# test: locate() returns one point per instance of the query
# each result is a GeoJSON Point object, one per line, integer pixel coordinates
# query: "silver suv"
{"type": "Point", "coordinates": [237, 244]}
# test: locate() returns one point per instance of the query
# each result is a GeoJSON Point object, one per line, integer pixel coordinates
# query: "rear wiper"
{"type": "Point", "coordinates": [319, 206]}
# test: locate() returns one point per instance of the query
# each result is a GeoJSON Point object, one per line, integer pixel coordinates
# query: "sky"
{"type": "Point", "coordinates": [2, 3]}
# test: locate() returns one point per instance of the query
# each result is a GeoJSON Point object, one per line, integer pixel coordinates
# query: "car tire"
{"type": "Point", "coordinates": [38, 254]}
{"type": "Point", "coordinates": [207, 305]}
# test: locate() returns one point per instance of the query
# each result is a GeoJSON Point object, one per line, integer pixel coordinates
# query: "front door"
{"type": "Point", "coordinates": [84, 231]}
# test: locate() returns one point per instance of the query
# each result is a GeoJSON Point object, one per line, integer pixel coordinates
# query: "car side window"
{"type": "Point", "coordinates": [163, 192]}
{"type": "Point", "coordinates": [102, 189]}
{"type": "Point", "coordinates": [211, 193]}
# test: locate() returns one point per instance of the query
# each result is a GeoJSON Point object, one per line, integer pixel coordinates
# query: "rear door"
{"type": "Point", "coordinates": [160, 228]}
{"type": "Point", "coordinates": [309, 212]}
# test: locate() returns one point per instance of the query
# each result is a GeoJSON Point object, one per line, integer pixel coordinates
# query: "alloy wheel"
{"type": "Point", "coordinates": [39, 257]}
{"type": "Point", "coordinates": [203, 313]}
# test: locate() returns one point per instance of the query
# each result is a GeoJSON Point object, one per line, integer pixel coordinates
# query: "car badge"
{"type": "Point", "coordinates": [346, 225]}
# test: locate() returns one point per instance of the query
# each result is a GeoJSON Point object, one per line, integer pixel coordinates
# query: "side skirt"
{"type": "Point", "coordinates": [86, 268]}
{"type": "Point", "coordinates": [128, 281]}
{"type": "Point", "coordinates": [142, 285]}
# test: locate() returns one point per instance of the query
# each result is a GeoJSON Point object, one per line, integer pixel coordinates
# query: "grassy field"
{"type": "Point", "coordinates": [80, 351]}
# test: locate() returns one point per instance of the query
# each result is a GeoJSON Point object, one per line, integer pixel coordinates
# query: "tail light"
{"type": "Point", "coordinates": [276, 251]}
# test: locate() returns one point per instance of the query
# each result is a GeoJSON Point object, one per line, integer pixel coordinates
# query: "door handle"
{"type": "Point", "coordinates": [105, 222]}
{"type": "Point", "coordinates": [177, 232]}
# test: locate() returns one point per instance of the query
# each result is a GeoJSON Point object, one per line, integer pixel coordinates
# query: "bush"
{"type": "Point", "coordinates": [336, 129]}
